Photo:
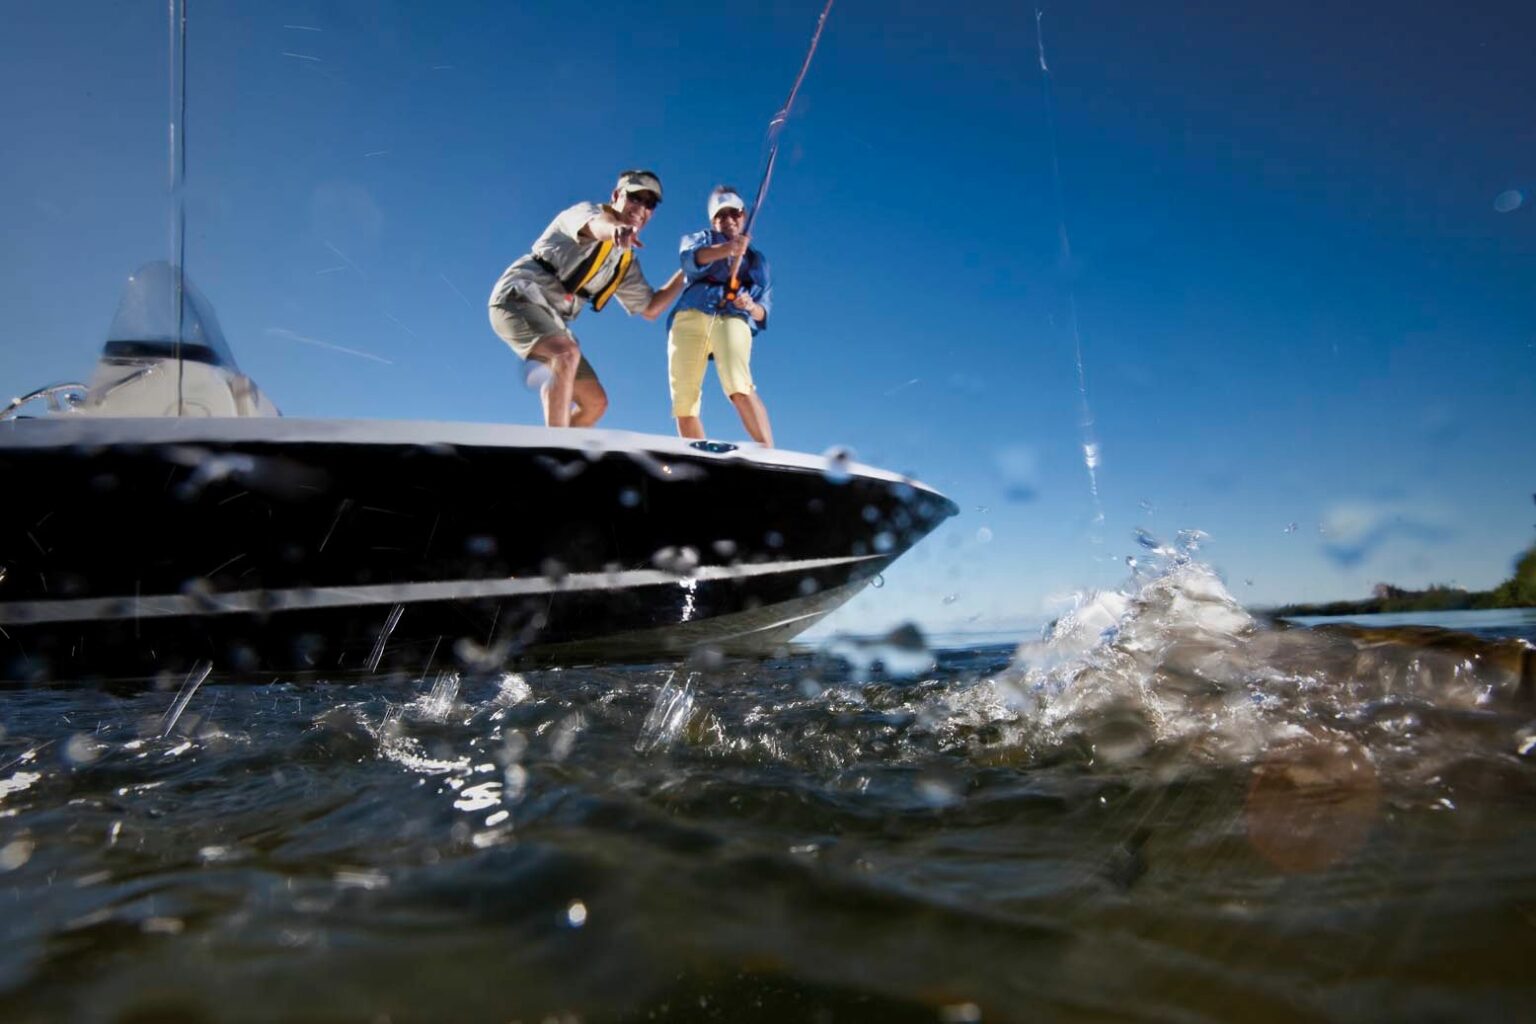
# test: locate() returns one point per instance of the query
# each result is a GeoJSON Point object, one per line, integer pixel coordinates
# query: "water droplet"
{"type": "Point", "coordinates": [576, 913]}
{"type": "Point", "coordinates": [162, 926]}
{"type": "Point", "coordinates": [678, 561]}
{"type": "Point", "coordinates": [514, 783]}
{"type": "Point", "coordinates": [536, 375]}
{"type": "Point", "coordinates": [16, 853]}
{"type": "Point", "coordinates": [629, 497]}
{"type": "Point", "coordinates": [884, 541]}
{"type": "Point", "coordinates": [984, 535]}
{"type": "Point", "coordinates": [82, 749]}
{"type": "Point", "coordinates": [937, 792]}
{"type": "Point", "coordinates": [1508, 201]}
{"type": "Point", "coordinates": [839, 460]}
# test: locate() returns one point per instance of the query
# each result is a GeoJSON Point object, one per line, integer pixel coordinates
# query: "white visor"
{"type": "Point", "coordinates": [724, 201]}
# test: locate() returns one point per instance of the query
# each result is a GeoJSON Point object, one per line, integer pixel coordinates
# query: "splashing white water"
{"type": "Point", "coordinates": [669, 715]}
{"type": "Point", "coordinates": [1172, 662]}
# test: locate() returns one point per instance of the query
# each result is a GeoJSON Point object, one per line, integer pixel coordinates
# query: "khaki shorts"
{"type": "Point", "coordinates": [689, 344]}
{"type": "Point", "coordinates": [520, 324]}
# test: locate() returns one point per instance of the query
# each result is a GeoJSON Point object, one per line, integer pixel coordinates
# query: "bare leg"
{"type": "Point", "coordinates": [690, 426]}
{"type": "Point", "coordinates": [754, 416]}
{"type": "Point", "coordinates": [562, 355]}
{"type": "Point", "coordinates": [591, 402]}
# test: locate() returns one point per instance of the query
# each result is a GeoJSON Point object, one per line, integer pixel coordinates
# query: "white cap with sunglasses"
{"type": "Point", "coordinates": [639, 181]}
{"type": "Point", "coordinates": [725, 200]}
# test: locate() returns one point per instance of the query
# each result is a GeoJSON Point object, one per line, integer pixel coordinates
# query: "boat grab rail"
{"type": "Point", "coordinates": [65, 397]}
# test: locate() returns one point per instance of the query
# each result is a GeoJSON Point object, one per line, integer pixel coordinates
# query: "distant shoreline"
{"type": "Point", "coordinates": [1435, 599]}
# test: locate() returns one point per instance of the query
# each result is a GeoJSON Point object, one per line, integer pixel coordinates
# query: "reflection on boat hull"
{"type": "Point", "coordinates": [131, 548]}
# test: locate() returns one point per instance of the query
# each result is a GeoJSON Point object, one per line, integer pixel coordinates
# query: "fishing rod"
{"type": "Point", "coordinates": [774, 128]}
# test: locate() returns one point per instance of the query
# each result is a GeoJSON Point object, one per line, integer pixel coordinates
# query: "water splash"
{"type": "Point", "coordinates": [1170, 671]}
{"type": "Point", "coordinates": [669, 715]}
{"type": "Point", "coordinates": [189, 686]}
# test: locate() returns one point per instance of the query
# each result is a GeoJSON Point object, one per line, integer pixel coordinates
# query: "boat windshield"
{"type": "Point", "coordinates": [147, 316]}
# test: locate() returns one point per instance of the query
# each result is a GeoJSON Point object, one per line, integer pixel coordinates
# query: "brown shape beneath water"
{"type": "Point", "coordinates": [1312, 805]}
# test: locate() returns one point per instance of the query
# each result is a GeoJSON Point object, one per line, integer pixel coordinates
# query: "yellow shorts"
{"type": "Point", "coordinates": [689, 345]}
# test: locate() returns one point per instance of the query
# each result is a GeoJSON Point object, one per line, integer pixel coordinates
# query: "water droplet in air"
{"type": "Point", "coordinates": [536, 375]}
{"type": "Point", "coordinates": [838, 461]}
{"type": "Point", "coordinates": [678, 561]}
{"type": "Point", "coordinates": [81, 749]}
{"type": "Point", "coordinates": [1509, 201]}
{"type": "Point", "coordinates": [576, 913]}
{"type": "Point", "coordinates": [16, 853]}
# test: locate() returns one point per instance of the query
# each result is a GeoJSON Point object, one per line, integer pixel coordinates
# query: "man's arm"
{"type": "Point", "coordinates": [664, 296]}
{"type": "Point", "coordinates": [606, 227]}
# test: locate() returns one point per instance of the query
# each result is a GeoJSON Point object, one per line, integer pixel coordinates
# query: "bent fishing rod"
{"type": "Point", "coordinates": [774, 128]}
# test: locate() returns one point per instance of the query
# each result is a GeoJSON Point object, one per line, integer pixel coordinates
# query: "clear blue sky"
{"type": "Point", "coordinates": [1304, 296]}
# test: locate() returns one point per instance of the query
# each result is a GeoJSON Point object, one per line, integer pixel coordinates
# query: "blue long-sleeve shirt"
{"type": "Point", "coordinates": [706, 284]}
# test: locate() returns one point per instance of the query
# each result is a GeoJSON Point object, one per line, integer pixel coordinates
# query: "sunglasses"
{"type": "Point", "coordinates": [645, 199]}
{"type": "Point", "coordinates": [731, 211]}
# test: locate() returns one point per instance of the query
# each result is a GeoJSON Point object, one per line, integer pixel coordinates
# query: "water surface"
{"type": "Point", "coordinates": [1163, 810]}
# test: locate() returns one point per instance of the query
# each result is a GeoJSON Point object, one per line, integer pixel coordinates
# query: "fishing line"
{"type": "Point", "coordinates": [1090, 440]}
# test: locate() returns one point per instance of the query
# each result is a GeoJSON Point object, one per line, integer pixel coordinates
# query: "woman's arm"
{"type": "Point", "coordinates": [725, 250]}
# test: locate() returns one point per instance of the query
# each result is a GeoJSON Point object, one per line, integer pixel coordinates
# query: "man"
{"type": "Point", "coordinates": [587, 254]}
{"type": "Point", "coordinates": [712, 319]}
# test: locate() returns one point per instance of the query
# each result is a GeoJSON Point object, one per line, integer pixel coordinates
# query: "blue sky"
{"type": "Point", "coordinates": [1307, 309]}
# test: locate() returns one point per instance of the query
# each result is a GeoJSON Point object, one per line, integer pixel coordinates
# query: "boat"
{"type": "Point", "coordinates": [165, 516]}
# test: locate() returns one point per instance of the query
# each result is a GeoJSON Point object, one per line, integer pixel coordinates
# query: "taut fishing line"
{"type": "Point", "coordinates": [1090, 441]}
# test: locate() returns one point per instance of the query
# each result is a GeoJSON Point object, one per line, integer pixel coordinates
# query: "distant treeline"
{"type": "Point", "coordinates": [1519, 591]}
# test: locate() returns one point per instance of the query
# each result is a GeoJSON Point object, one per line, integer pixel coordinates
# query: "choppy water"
{"type": "Point", "coordinates": [1165, 810]}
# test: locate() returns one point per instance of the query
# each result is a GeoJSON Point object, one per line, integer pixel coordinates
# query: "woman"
{"type": "Point", "coordinates": [709, 320]}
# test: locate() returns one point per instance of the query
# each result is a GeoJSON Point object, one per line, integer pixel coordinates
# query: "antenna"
{"type": "Point", "coordinates": [178, 169]}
